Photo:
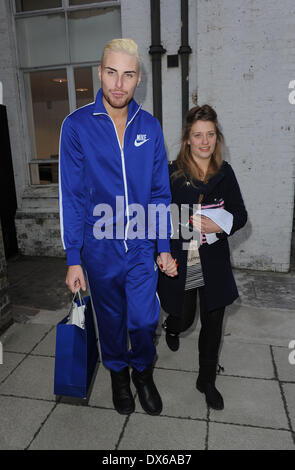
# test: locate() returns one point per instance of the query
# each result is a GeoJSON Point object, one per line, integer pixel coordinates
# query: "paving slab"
{"type": "Point", "coordinates": [33, 378]}
{"type": "Point", "coordinates": [49, 317]}
{"type": "Point", "coordinates": [259, 325]}
{"type": "Point", "coordinates": [10, 361]}
{"type": "Point", "coordinates": [286, 371]}
{"type": "Point", "coordinates": [179, 395]}
{"type": "Point", "coordinates": [46, 347]}
{"type": "Point", "coordinates": [231, 437]}
{"type": "Point", "coordinates": [186, 358]}
{"type": "Point", "coordinates": [22, 338]}
{"type": "Point", "coordinates": [20, 420]}
{"type": "Point", "coordinates": [246, 359]}
{"type": "Point", "coordinates": [160, 432]}
{"type": "Point", "coordinates": [79, 428]}
{"type": "Point", "coordinates": [267, 289]}
{"type": "Point", "coordinates": [255, 402]}
{"type": "Point", "coordinates": [289, 392]}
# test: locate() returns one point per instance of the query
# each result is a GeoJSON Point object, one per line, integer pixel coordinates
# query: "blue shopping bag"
{"type": "Point", "coordinates": [76, 354]}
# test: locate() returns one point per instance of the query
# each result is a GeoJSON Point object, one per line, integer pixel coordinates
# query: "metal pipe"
{"type": "Point", "coordinates": [156, 50]}
{"type": "Point", "coordinates": [184, 52]}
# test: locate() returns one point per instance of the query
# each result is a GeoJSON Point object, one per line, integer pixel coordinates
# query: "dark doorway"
{"type": "Point", "coordinates": [8, 203]}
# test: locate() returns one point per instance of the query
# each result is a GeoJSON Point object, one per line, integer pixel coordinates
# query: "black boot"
{"type": "Point", "coordinates": [206, 384]}
{"type": "Point", "coordinates": [172, 339]}
{"type": "Point", "coordinates": [122, 397]}
{"type": "Point", "coordinates": [148, 394]}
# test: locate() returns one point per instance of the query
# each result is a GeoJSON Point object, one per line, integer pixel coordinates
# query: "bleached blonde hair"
{"type": "Point", "coordinates": [122, 45]}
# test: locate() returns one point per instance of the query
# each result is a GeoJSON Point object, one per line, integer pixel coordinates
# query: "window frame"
{"type": "Point", "coordinates": [69, 66]}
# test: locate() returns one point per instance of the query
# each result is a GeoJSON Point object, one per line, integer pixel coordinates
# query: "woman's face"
{"type": "Point", "coordinates": [202, 140]}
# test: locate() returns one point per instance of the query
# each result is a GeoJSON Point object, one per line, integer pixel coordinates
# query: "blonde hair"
{"type": "Point", "coordinates": [122, 45]}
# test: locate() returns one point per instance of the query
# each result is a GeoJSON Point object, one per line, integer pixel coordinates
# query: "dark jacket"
{"type": "Point", "coordinates": [220, 286]}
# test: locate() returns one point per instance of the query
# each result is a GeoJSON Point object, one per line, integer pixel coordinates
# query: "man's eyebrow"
{"type": "Point", "coordinates": [115, 70]}
{"type": "Point", "coordinates": [110, 68]}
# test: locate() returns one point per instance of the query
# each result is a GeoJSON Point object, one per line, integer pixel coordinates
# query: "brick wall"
{"type": "Point", "coordinates": [5, 307]}
{"type": "Point", "coordinates": [246, 53]}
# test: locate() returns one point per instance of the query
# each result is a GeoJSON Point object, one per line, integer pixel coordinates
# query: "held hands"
{"type": "Point", "coordinates": [204, 224]}
{"type": "Point", "coordinates": [167, 264]}
{"type": "Point", "coordinates": [75, 279]}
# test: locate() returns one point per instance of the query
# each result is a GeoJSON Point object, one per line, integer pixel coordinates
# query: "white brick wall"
{"type": "Point", "coordinates": [245, 62]}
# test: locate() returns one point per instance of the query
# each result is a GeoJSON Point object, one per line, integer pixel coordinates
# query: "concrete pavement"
{"type": "Point", "coordinates": [258, 381]}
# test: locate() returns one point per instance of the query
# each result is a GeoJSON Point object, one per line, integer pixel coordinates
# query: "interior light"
{"type": "Point", "coordinates": [59, 80]}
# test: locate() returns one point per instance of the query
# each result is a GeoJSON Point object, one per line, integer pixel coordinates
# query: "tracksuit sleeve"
{"type": "Point", "coordinates": [161, 192]}
{"type": "Point", "coordinates": [71, 193]}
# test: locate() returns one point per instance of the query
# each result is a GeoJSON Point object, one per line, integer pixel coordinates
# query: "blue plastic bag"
{"type": "Point", "coordinates": [76, 355]}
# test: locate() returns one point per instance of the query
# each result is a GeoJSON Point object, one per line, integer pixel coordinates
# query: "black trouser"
{"type": "Point", "coordinates": [211, 324]}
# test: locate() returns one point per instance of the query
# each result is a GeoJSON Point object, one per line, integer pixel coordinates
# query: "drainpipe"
{"type": "Point", "coordinates": [184, 52]}
{"type": "Point", "coordinates": [156, 50]}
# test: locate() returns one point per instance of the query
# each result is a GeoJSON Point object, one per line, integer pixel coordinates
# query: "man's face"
{"type": "Point", "coordinates": [119, 75]}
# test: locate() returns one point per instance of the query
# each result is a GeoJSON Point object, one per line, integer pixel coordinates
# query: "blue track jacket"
{"type": "Point", "coordinates": [94, 170]}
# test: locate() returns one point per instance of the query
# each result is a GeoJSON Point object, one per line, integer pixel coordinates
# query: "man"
{"type": "Point", "coordinates": [111, 151]}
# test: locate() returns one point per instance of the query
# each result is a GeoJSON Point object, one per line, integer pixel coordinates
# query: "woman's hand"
{"type": "Point", "coordinates": [167, 264]}
{"type": "Point", "coordinates": [204, 224]}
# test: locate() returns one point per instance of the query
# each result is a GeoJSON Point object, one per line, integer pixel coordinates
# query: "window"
{"type": "Point", "coordinates": [59, 51]}
{"type": "Point", "coordinates": [30, 5]}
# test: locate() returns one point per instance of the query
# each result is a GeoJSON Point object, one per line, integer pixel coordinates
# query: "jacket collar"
{"type": "Point", "coordinates": [207, 188]}
{"type": "Point", "coordinates": [99, 107]}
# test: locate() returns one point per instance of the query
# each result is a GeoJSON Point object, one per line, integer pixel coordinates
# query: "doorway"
{"type": "Point", "coordinates": [8, 202]}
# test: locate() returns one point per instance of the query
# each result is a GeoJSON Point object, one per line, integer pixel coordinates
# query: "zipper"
{"type": "Point", "coordinates": [123, 169]}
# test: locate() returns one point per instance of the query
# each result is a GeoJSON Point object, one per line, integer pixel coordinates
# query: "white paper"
{"type": "Point", "coordinates": [221, 217]}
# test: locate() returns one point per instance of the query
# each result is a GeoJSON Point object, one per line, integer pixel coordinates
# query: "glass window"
{"type": "Point", "coordinates": [31, 5]}
{"type": "Point", "coordinates": [47, 92]}
{"type": "Point", "coordinates": [83, 86]}
{"type": "Point", "coordinates": [83, 2]}
{"type": "Point", "coordinates": [41, 40]}
{"type": "Point", "coordinates": [90, 30]}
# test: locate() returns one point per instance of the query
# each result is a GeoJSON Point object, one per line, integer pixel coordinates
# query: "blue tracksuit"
{"type": "Point", "coordinates": [122, 275]}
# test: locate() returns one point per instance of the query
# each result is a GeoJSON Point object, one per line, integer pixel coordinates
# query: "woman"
{"type": "Point", "coordinates": [200, 176]}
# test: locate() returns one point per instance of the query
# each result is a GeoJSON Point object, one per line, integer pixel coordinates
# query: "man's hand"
{"type": "Point", "coordinates": [75, 279]}
{"type": "Point", "coordinates": [167, 264]}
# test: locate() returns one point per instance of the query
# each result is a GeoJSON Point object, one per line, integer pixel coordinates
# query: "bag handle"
{"type": "Point", "coordinates": [77, 291]}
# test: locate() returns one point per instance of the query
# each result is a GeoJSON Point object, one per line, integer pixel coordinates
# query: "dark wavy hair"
{"type": "Point", "coordinates": [186, 165]}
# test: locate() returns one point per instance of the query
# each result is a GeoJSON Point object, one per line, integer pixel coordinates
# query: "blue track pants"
{"type": "Point", "coordinates": [123, 290]}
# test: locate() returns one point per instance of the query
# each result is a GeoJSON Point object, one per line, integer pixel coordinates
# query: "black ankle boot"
{"type": "Point", "coordinates": [206, 384]}
{"type": "Point", "coordinates": [172, 339]}
{"type": "Point", "coordinates": [148, 394]}
{"type": "Point", "coordinates": [122, 397]}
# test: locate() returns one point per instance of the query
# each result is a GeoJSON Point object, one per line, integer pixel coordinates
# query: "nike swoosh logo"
{"type": "Point", "coordinates": [138, 144]}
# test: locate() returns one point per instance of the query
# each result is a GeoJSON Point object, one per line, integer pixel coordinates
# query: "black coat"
{"type": "Point", "coordinates": [220, 286]}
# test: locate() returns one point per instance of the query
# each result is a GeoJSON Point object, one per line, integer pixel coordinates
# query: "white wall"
{"type": "Point", "coordinates": [245, 62]}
